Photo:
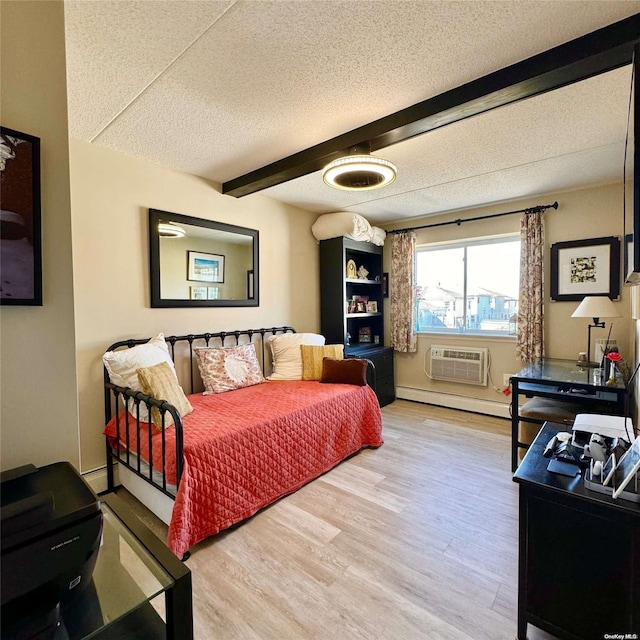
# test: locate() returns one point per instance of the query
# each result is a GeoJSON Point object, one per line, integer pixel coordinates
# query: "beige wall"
{"type": "Point", "coordinates": [587, 213]}
{"type": "Point", "coordinates": [111, 195]}
{"type": "Point", "coordinates": [39, 414]}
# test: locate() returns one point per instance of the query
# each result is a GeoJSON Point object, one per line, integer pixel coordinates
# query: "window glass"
{"type": "Point", "coordinates": [468, 286]}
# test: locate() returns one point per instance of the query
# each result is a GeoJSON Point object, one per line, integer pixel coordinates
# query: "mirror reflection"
{"type": "Point", "coordinates": [197, 262]}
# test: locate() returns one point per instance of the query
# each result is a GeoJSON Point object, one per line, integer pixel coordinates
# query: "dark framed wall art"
{"type": "Point", "coordinates": [582, 268]}
{"type": "Point", "coordinates": [20, 219]}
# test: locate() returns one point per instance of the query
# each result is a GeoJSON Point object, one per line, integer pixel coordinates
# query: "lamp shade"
{"type": "Point", "coordinates": [596, 307]}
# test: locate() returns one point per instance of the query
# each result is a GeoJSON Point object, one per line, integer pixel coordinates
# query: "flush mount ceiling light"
{"type": "Point", "coordinates": [170, 230]}
{"type": "Point", "coordinates": [360, 172]}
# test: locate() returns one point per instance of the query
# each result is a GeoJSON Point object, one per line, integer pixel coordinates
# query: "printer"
{"type": "Point", "coordinates": [605, 425]}
{"type": "Point", "coordinates": [50, 531]}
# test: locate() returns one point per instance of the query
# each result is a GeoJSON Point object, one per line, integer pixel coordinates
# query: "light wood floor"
{"type": "Point", "coordinates": [414, 540]}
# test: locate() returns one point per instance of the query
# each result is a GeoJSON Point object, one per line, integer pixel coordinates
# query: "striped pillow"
{"type": "Point", "coordinates": [161, 383]}
{"type": "Point", "coordinates": [312, 358]}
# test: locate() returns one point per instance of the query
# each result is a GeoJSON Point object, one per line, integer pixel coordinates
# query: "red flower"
{"type": "Point", "coordinates": [614, 356]}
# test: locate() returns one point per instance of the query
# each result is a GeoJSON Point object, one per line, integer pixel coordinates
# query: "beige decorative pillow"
{"type": "Point", "coordinates": [160, 382]}
{"type": "Point", "coordinates": [287, 358]}
{"type": "Point", "coordinates": [228, 368]}
{"type": "Point", "coordinates": [123, 366]}
{"type": "Point", "coordinates": [312, 358]}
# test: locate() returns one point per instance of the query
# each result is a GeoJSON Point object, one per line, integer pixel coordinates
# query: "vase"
{"type": "Point", "coordinates": [611, 380]}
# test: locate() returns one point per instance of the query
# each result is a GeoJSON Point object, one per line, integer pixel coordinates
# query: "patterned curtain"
{"type": "Point", "coordinates": [402, 285]}
{"type": "Point", "coordinates": [529, 344]}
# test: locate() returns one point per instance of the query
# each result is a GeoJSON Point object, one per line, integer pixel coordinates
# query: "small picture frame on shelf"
{"type": "Point", "coordinates": [372, 306]}
{"type": "Point", "coordinates": [364, 335]}
{"type": "Point", "coordinates": [199, 293]}
{"type": "Point", "coordinates": [361, 306]}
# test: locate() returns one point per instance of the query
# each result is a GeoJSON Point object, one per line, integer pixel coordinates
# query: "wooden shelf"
{"type": "Point", "coordinates": [361, 281]}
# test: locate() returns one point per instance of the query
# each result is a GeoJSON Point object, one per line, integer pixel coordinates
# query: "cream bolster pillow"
{"type": "Point", "coordinates": [312, 357]}
{"type": "Point", "coordinates": [341, 223]}
{"type": "Point", "coordinates": [161, 383]}
{"type": "Point", "coordinates": [377, 236]}
{"type": "Point", "coordinates": [228, 368]}
{"type": "Point", "coordinates": [123, 366]}
{"type": "Point", "coordinates": [287, 358]}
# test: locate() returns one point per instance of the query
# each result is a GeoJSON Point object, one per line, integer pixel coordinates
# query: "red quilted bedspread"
{"type": "Point", "coordinates": [246, 448]}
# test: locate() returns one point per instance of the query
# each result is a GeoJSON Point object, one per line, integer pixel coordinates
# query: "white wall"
{"type": "Point", "coordinates": [39, 409]}
{"type": "Point", "coordinates": [586, 213]}
{"type": "Point", "coordinates": [111, 195]}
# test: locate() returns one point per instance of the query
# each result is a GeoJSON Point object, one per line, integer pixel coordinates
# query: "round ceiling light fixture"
{"type": "Point", "coordinates": [170, 230]}
{"type": "Point", "coordinates": [360, 172]}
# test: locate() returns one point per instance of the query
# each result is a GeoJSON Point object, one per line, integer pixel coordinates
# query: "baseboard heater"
{"type": "Point", "coordinates": [458, 364]}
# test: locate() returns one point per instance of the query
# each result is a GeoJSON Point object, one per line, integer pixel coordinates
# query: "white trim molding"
{"type": "Point", "coordinates": [97, 478]}
{"type": "Point", "coordinates": [452, 401]}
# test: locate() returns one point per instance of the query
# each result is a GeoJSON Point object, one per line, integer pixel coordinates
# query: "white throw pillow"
{"type": "Point", "coordinates": [287, 357]}
{"type": "Point", "coordinates": [123, 366]}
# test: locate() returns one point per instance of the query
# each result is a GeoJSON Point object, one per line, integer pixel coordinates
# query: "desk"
{"type": "Point", "coordinates": [579, 554]}
{"type": "Point", "coordinates": [561, 380]}
{"type": "Point", "coordinates": [134, 569]}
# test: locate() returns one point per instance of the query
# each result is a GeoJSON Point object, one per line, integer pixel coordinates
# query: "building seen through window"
{"type": "Point", "coordinates": [470, 286]}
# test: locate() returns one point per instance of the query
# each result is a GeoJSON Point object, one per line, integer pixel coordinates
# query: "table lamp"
{"type": "Point", "coordinates": [595, 307]}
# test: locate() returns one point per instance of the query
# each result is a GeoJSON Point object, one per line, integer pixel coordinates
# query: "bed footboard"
{"type": "Point", "coordinates": [128, 423]}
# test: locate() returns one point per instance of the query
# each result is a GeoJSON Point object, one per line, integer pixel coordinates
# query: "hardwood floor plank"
{"type": "Point", "coordinates": [414, 540]}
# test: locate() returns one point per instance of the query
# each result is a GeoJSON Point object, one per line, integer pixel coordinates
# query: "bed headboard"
{"type": "Point", "coordinates": [181, 350]}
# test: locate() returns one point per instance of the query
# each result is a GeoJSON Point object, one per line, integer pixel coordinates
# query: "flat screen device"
{"type": "Point", "coordinates": [628, 466]}
{"type": "Point", "coordinates": [608, 469]}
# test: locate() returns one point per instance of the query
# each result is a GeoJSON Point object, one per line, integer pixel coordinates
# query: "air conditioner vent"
{"type": "Point", "coordinates": [459, 364]}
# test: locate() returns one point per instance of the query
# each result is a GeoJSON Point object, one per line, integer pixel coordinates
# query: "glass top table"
{"type": "Point", "coordinates": [565, 372]}
{"type": "Point", "coordinates": [566, 381]}
{"type": "Point", "coordinates": [134, 568]}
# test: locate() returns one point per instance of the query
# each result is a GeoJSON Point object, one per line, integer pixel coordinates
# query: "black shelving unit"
{"type": "Point", "coordinates": [341, 327]}
{"type": "Point", "coordinates": [336, 290]}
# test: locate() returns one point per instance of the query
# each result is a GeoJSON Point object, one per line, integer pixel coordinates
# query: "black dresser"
{"type": "Point", "coordinates": [579, 554]}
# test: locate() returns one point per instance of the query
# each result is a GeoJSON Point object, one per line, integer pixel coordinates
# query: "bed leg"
{"type": "Point", "coordinates": [110, 479]}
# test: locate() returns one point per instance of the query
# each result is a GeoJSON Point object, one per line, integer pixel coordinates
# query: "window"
{"type": "Point", "coordinates": [469, 287]}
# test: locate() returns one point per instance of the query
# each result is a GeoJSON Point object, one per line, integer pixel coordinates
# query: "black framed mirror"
{"type": "Point", "coordinates": [632, 181]}
{"type": "Point", "coordinates": [201, 263]}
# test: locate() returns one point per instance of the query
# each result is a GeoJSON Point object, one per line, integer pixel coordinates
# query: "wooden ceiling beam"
{"type": "Point", "coordinates": [589, 55]}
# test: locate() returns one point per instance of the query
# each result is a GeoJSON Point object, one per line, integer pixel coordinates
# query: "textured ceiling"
{"type": "Point", "coordinates": [220, 88]}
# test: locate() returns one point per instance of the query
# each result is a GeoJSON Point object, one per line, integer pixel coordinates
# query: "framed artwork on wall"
{"type": "Point", "coordinates": [582, 268]}
{"type": "Point", "coordinates": [20, 219]}
{"type": "Point", "coordinates": [205, 267]}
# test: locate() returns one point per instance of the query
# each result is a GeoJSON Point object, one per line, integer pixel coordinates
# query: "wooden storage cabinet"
{"type": "Point", "coordinates": [341, 327]}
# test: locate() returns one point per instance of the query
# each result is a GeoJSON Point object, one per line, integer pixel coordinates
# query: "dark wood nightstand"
{"type": "Point", "coordinates": [381, 379]}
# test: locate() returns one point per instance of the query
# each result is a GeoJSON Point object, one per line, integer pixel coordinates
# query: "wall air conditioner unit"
{"type": "Point", "coordinates": [459, 364]}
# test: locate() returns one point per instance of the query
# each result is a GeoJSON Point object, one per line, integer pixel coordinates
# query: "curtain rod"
{"type": "Point", "coordinates": [537, 209]}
